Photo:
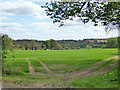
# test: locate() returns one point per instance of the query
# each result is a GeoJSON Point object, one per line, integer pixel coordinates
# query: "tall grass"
{"type": "Point", "coordinates": [16, 66]}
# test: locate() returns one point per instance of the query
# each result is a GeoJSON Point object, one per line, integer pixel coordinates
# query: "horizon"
{"type": "Point", "coordinates": [63, 39]}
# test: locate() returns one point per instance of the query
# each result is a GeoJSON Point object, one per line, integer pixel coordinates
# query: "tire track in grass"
{"type": "Point", "coordinates": [103, 69]}
{"type": "Point", "coordinates": [31, 70]}
{"type": "Point", "coordinates": [45, 67]}
{"type": "Point", "coordinates": [82, 72]}
{"type": "Point", "coordinates": [72, 76]}
{"type": "Point", "coordinates": [86, 71]}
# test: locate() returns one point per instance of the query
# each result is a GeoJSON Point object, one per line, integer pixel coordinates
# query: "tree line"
{"type": "Point", "coordinates": [64, 44]}
{"type": "Point", "coordinates": [52, 44]}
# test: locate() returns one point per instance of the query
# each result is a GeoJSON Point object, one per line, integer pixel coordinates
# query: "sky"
{"type": "Point", "coordinates": [25, 19]}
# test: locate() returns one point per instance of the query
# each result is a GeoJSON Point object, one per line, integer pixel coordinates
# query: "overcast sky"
{"type": "Point", "coordinates": [25, 19]}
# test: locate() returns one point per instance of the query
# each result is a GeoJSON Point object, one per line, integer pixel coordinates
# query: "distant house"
{"type": "Point", "coordinates": [91, 40]}
{"type": "Point", "coordinates": [102, 41]}
{"type": "Point", "coordinates": [96, 40]}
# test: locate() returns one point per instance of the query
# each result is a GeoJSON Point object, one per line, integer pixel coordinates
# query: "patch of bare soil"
{"type": "Point", "coordinates": [35, 85]}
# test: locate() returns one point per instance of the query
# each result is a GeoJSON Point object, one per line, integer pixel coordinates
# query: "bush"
{"type": "Point", "coordinates": [88, 46]}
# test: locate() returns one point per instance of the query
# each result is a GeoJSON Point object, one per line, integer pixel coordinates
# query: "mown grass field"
{"type": "Point", "coordinates": [62, 62]}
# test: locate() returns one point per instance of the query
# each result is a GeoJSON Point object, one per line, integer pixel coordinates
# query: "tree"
{"type": "Point", "coordinates": [105, 12]}
{"type": "Point", "coordinates": [33, 45]}
{"type": "Point", "coordinates": [66, 48]}
{"type": "Point", "coordinates": [6, 44]}
{"type": "Point", "coordinates": [51, 44]}
{"type": "Point", "coordinates": [0, 53]}
{"type": "Point", "coordinates": [111, 43]}
{"type": "Point", "coordinates": [46, 45]}
{"type": "Point", "coordinates": [118, 42]}
{"type": "Point", "coordinates": [88, 46]}
{"type": "Point", "coordinates": [26, 45]}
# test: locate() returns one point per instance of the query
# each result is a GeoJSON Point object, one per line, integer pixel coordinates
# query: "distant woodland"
{"type": "Point", "coordinates": [27, 44]}
{"type": "Point", "coordinates": [51, 44]}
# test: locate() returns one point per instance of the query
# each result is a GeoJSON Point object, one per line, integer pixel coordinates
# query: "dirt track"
{"type": "Point", "coordinates": [45, 67]}
{"type": "Point", "coordinates": [87, 71]}
{"type": "Point", "coordinates": [82, 72]}
{"type": "Point", "coordinates": [63, 77]}
{"type": "Point", "coordinates": [31, 70]}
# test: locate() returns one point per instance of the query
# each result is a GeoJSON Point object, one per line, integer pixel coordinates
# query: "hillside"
{"type": "Point", "coordinates": [66, 44]}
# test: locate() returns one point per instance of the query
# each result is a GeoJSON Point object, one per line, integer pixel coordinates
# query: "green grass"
{"type": "Point", "coordinates": [16, 65]}
{"type": "Point", "coordinates": [37, 66]}
{"type": "Point", "coordinates": [108, 80]}
{"type": "Point", "coordinates": [81, 54]}
{"type": "Point", "coordinates": [64, 66]}
{"type": "Point", "coordinates": [104, 64]}
{"type": "Point", "coordinates": [63, 61]}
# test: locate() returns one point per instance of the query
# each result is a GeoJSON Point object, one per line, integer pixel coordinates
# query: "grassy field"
{"type": "Point", "coordinates": [61, 62]}
{"type": "Point", "coordinates": [37, 66]}
{"type": "Point", "coordinates": [16, 66]}
{"type": "Point", "coordinates": [108, 80]}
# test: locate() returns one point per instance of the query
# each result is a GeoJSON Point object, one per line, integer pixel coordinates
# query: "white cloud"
{"type": "Point", "coordinates": [39, 0]}
{"type": "Point", "coordinates": [21, 7]}
{"type": "Point", "coordinates": [79, 31]}
{"type": "Point", "coordinates": [45, 26]}
{"type": "Point", "coordinates": [2, 18]}
{"type": "Point", "coordinates": [29, 35]}
{"type": "Point", "coordinates": [12, 28]}
{"type": "Point", "coordinates": [10, 25]}
{"type": "Point", "coordinates": [44, 30]}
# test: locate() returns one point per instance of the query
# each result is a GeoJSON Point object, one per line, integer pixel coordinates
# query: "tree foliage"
{"type": "Point", "coordinates": [105, 12]}
{"type": "Point", "coordinates": [112, 43]}
{"type": "Point", "coordinates": [118, 41]}
{"type": "Point", "coordinates": [6, 45]}
{"type": "Point", "coordinates": [51, 44]}
{"type": "Point", "coordinates": [46, 45]}
{"type": "Point", "coordinates": [88, 46]}
{"type": "Point", "coordinates": [26, 44]}
{"type": "Point", "coordinates": [54, 45]}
